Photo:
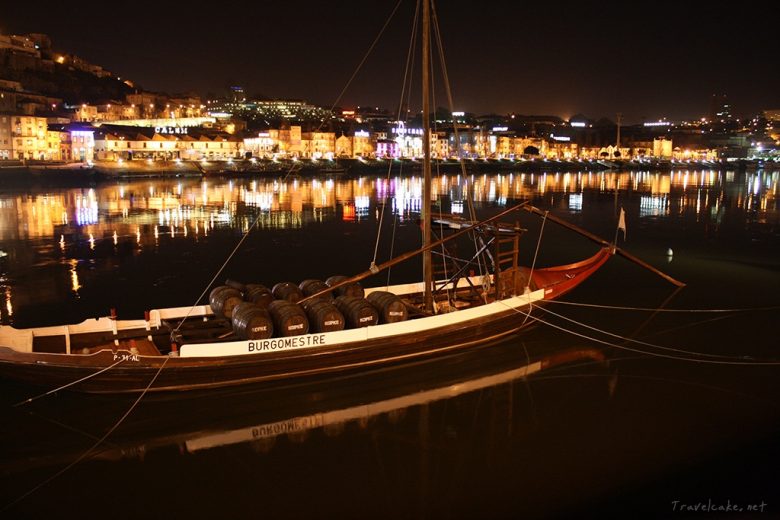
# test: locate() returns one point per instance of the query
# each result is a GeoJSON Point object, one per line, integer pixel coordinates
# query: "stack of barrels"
{"type": "Point", "coordinates": [257, 312]}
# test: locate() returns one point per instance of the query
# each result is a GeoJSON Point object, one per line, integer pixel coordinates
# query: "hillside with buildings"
{"type": "Point", "coordinates": [56, 106]}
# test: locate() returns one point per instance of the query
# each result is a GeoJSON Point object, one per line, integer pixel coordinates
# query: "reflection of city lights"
{"type": "Point", "coordinates": [280, 203]}
{"type": "Point", "coordinates": [74, 277]}
{"type": "Point", "coordinates": [653, 206]}
{"type": "Point", "coordinates": [86, 209]}
{"type": "Point", "coordinates": [575, 201]}
{"type": "Point", "coordinates": [8, 307]}
{"type": "Point", "coordinates": [362, 204]}
{"type": "Point", "coordinates": [91, 241]}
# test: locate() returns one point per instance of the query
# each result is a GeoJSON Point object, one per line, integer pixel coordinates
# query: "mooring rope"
{"type": "Point", "coordinates": [648, 309]}
{"type": "Point", "coordinates": [31, 399]}
{"type": "Point", "coordinates": [92, 448]}
{"type": "Point", "coordinates": [740, 361]}
{"type": "Point", "coordinates": [627, 339]}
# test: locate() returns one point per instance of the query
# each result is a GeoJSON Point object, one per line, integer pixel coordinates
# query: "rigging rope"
{"type": "Point", "coordinates": [408, 69]}
{"type": "Point", "coordinates": [536, 253]}
{"type": "Point", "coordinates": [438, 175]}
{"type": "Point", "coordinates": [92, 448]}
{"type": "Point", "coordinates": [451, 103]}
{"type": "Point", "coordinates": [219, 271]}
{"type": "Point", "coordinates": [365, 57]}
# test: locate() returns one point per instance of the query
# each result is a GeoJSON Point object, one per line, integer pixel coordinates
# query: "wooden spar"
{"type": "Point", "coordinates": [599, 240]}
{"type": "Point", "coordinates": [426, 195]}
{"type": "Point", "coordinates": [410, 254]}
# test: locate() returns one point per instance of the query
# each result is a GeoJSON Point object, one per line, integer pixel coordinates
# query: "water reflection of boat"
{"type": "Point", "coordinates": [263, 414]}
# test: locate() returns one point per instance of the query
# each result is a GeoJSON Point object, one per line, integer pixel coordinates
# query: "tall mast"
{"type": "Point", "coordinates": [426, 195]}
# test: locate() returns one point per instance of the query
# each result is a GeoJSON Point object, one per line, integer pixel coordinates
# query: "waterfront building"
{"type": "Point", "coordinates": [82, 144]}
{"type": "Point", "coordinates": [353, 146]}
{"type": "Point", "coordinates": [386, 148]}
{"type": "Point", "coordinates": [293, 140]}
{"type": "Point", "coordinates": [6, 140]}
{"type": "Point", "coordinates": [562, 150]}
{"type": "Point", "coordinates": [205, 147]}
{"type": "Point", "coordinates": [281, 142]}
{"type": "Point", "coordinates": [27, 136]}
{"type": "Point", "coordinates": [128, 144]}
{"type": "Point", "coordinates": [54, 144]}
{"type": "Point", "coordinates": [640, 148]}
{"type": "Point", "coordinates": [466, 144]}
{"type": "Point", "coordinates": [687, 154]}
{"type": "Point", "coordinates": [317, 145]}
{"type": "Point", "coordinates": [261, 146]}
{"type": "Point", "coordinates": [363, 145]}
{"type": "Point", "coordinates": [343, 146]}
{"type": "Point", "coordinates": [662, 148]}
{"type": "Point", "coordinates": [529, 147]}
{"type": "Point", "coordinates": [60, 136]}
{"type": "Point", "coordinates": [408, 140]}
{"type": "Point", "coordinates": [440, 145]}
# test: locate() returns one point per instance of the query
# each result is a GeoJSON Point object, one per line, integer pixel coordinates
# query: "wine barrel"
{"type": "Point", "coordinates": [250, 321]}
{"type": "Point", "coordinates": [311, 287]}
{"type": "Point", "coordinates": [391, 308]}
{"type": "Point", "coordinates": [323, 316]}
{"type": "Point", "coordinates": [357, 311]}
{"type": "Point", "coordinates": [236, 285]}
{"type": "Point", "coordinates": [287, 291]}
{"type": "Point", "coordinates": [351, 289]}
{"type": "Point", "coordinates": [259, 294]}
{"type": "Point", "coordinates": [289, 318]}
{"type": "Point", "coordinates": [223, 300]}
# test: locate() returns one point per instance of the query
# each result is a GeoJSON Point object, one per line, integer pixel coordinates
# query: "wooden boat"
{"type": "Point", "coordinates": [199, 347]}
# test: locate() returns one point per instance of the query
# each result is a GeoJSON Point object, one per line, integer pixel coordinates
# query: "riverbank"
{"type": "Point", "coordinates": [31, 171]}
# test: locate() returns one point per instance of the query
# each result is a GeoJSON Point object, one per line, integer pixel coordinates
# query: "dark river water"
{"type": "Point", "coordinates": [593, 412]}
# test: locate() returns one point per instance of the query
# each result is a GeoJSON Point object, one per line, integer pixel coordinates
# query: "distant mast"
{"type": "Point", "coordinates": [426, 195]}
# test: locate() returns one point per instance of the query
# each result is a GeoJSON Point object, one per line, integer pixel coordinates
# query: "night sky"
{"type": "Point", "coordinates": [645, 60]}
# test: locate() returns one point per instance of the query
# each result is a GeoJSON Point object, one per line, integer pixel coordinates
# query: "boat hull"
{"type": "Point", "coordinates": [221, 364]}
{"type": "Point", "coordinates": [134, 373]}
